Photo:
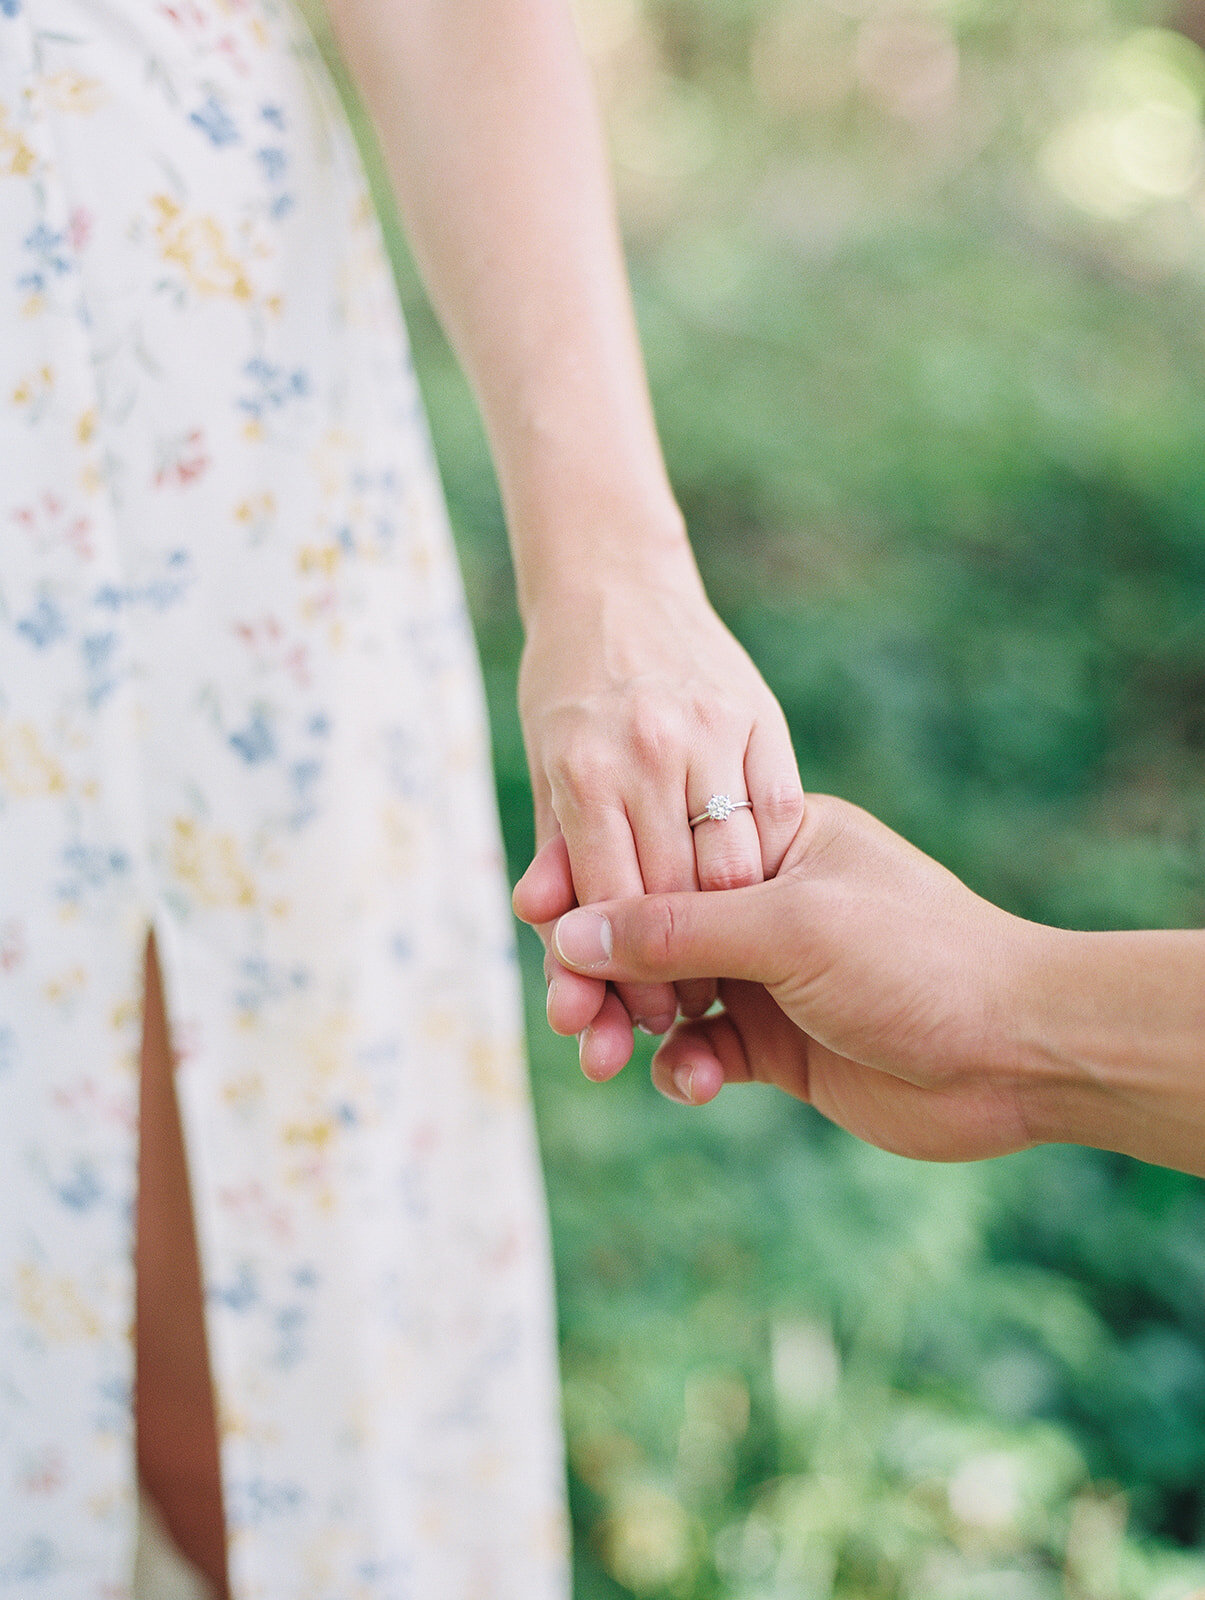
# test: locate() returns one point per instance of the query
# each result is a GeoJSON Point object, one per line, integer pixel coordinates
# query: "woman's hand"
{"type": "Point", "coordinates": [638, 705]}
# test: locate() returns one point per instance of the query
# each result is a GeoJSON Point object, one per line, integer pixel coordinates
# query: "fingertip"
{"type": "Point", "coordinates": [518, 899]}
{"type": "Point", "coordinates": [545, 890]}
{"type": "Point", "coordinates": [573, 1003]}
{"type": "Point", "coordinates": [705, 1081]}
{"type": "Point", "coordinates": [689, 1074]}
{"type": "Point", "coordinates": [605, 1046]}
{"type": "Point", "coordinates": [598, 1057]}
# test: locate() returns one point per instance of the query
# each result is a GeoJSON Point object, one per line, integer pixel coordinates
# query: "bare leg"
{"type": "Point", "coordinates": [176, 1426]}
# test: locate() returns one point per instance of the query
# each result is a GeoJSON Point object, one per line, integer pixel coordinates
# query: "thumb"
{"type": "Point", "coordinates": [661, 938]}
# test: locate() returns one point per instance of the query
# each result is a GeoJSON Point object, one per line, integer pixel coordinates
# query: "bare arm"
{"type": "Point", "coordinates": [487, 123]}
{"type": "Point", "coordinates": [637, 703]}
{"type": "Point", "coordinates": [1111, 1041]}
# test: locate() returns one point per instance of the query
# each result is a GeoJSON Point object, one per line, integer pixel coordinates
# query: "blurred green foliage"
{"type": "Point", "coordinates": [923, 295]}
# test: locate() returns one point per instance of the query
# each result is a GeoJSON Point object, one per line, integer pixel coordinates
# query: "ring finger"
{"type": "Point", "coordinates": [727, 855]}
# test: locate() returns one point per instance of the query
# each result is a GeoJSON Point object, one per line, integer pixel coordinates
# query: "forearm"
{"type": "Point", "coordinates": [1110, 1040]}
{"type": "Point", "coordinates": [486, 118]}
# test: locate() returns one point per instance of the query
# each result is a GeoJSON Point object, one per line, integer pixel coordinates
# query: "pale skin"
{"type": "Point", "coordinates": [637, 703]}
{"type": "Point", "coordinates": [869, 981]}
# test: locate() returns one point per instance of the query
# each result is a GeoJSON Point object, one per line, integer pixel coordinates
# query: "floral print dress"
{"type": "Point", "coordinates": [238, 705]}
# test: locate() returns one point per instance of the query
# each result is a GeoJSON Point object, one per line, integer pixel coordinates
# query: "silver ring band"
{"type": "Point", "coordinates": [719, 808]}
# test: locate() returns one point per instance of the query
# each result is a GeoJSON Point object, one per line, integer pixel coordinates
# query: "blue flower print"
{"type": "Point", "coordinates": [82, 1189]}
{"type": "Point", "coordinates": [44, 626]}
{"type": "Point", "coordinates": [257, 1499]}
{"type": "Point", "coordinates": [159, 593]}
{"type": "Point", "coordinates": [215, 122]}
{"type": "Point", "coordinates": [273, 161]}
{"type": "Point", "coordinates": [261, 983]}
{"type": "Point", "coordinates": [48, 248]}
{"type": "Point", "coordinates": [256, 742]}
{"type": "Point", "coordinates": [274, 164]}
{"type": "Point", "coordinates": [274, 387]}
{"type": "Point", "coordinates": [38, 1558]}
{"type": "Point", "coordinates": [241, 1293]}
{"type": "Point", "coordinates": [10, 8]}
{"type": "Point", "coordinates": [90, 867]}
{"type": "Point", "coordinates": [274, 116]}
{"type": "Point", "coordinates": [99, 651]}
{"type": "Point", "coordinates": [290, 1326]}
{"type": "Point", "coordinates": [303, 777]}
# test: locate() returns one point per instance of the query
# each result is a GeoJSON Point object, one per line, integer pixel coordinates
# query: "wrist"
{"type": "Point", "coordinates": [576, 563]}
{"type": "Point", "coordinates": [1055, 1082]}
{"type": "Point", "coordinates": [1107, 1041]}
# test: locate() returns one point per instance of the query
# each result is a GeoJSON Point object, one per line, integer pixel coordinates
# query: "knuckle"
{"type": "Point", "coordinates": [582, 770]}
{"type": "Point", "coordinates": [782, 803]}
{"type": "Point", "coordinates": [717, 716]}
{"type": "Point", "coordinates": [653, 935]}
{"type": "Point", "coordinates": [653, 734]}
{"type": "Point", "coordinates": [729, 872]}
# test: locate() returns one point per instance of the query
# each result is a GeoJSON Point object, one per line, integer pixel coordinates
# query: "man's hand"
{"type": "Point", "coordinates": [864, 978]}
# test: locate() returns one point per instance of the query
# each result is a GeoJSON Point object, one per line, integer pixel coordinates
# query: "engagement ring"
{"type": "Point", "coordinates": [719, 808]}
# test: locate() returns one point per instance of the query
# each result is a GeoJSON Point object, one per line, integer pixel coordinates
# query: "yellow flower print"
{"type": "Point", "coordinates": [314, 1135]}
{"type": "Point", "coordinates": [71, 92]}
{"type": "Point", "coordinates": [497, 1070]}
{"type": "Point", "coordinates": [66, 986]}
{"type": "Point", "coordinates": [17, 159]}
{"type": "Point", "coordinates": [55, 1306]}
{"type": "Point", "coordinates": [332, 458]}
{"type": "Point", "coordinates": [326, 1047]}
{"type": "Point", "coordinates": [33, 391]}
{"type": "Point", "coordinates": [323, 559]}
{"type": "Point", "coordinates": [256, 513]}
{"type": "Point", "coordinates": [208, 863]}
{"type": "Point", "coordinates": [197, 244]}
{"type": "Point", "coordinates": [27, 770]}
{"type": "Point", "coordinates": [243, 1092]}
{"type": "Point", "coordinates": [127, 1014]}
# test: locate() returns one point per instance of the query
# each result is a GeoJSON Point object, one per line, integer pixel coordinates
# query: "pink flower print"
{"type": "Point", "coordinates": [184, 15]}
{"type": "Point", "coordinates": [266, 640]}
{"type": "Point", "coordinates": [79, 227]}
{"type": "Point", "coordinates": [12, 946]}
{"type": "Point", "coordinates": [182, 459]}
{"type": "Point", "coordinates": [50, 524]}
{"type": "Point", "coordinates": [229, 47]}
{"type": "Point", "coordinates": [45, 1473]}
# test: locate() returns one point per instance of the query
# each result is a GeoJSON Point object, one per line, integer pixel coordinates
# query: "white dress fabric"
{"type": "Point", "coordinates": [238, 704]}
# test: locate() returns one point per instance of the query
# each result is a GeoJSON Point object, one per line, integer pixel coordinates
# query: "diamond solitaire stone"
{"type": "Point", "coordinates": [719, 808]}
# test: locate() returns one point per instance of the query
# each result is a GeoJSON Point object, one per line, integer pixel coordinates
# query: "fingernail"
{"type": "Point", "coordinates": [655, 1026]}
{"type": "Point", "coordinates": [552, 988]}
{"type": "Point", "coordinates": [683, 1080]}
{"type": "Point", "coordinates": [583, 939]}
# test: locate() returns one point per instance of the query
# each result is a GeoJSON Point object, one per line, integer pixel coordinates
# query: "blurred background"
{"type": "Point", "coordinates": [922, 287]}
